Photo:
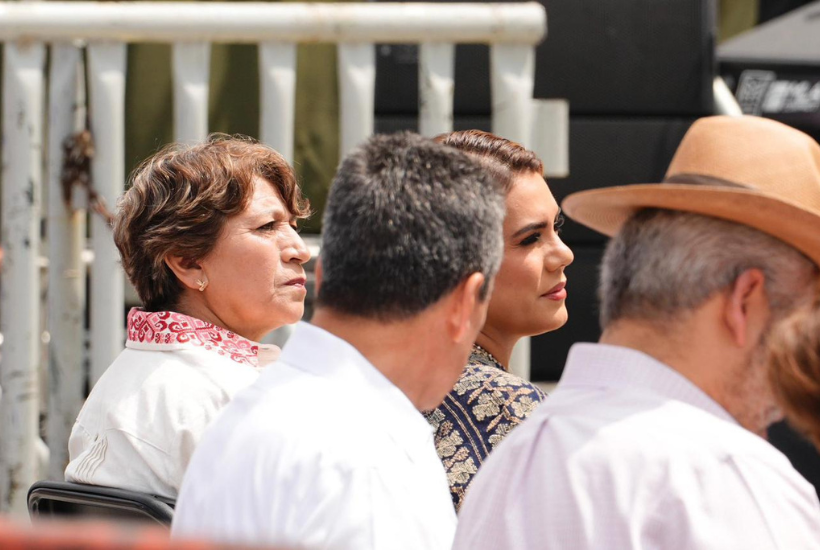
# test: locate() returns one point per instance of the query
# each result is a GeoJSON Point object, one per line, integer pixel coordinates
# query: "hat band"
{"type": "Point", "coordinates": [701, 179]}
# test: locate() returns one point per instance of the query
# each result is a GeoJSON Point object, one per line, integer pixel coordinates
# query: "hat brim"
{"type": "Point", "coordinates": [606, 210]}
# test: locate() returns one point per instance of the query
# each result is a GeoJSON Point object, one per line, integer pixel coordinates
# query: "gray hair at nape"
{"type": "Point", "coordinates": [664, 263]}
{"type": "Point", "coordinates": [406, 221]}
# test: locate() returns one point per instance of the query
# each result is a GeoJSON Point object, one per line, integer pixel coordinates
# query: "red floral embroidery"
{"type": "Point", "coordinates": [168, 327]}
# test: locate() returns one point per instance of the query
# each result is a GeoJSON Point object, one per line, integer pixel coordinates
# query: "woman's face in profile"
{"type": "Point", "coordinates": [529, 297]}
{"type": "Point", "coordinates": [256, 282]}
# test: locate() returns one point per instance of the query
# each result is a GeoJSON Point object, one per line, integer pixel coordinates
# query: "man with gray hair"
{"type": "Point", "coordinates": [328, 449]}
{"type": "Point", "coordinates": [655, 436]}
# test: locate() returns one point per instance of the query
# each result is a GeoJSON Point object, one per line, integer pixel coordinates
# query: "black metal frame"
{"type": "Point", "coordinates": [64, 499]}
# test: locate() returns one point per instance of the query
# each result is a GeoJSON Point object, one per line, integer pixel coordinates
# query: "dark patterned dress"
{"type": "Point", "coordinates": [486, 403]}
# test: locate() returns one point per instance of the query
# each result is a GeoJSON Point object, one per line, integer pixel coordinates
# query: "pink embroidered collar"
{"type": "Point", "coordinates": [169, 327]}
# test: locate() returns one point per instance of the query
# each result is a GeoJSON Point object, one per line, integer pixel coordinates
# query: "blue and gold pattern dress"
{"type": "Point", "coordinates": [486, 403]}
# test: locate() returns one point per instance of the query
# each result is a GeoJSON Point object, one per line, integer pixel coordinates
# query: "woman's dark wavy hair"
{"type": "Point", "coordinates": [503, 158]}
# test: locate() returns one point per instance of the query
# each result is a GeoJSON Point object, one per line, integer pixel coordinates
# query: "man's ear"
{"type": "Point", "coordinates": [467, 311]}
{"type": "Point", "coordinates": [187, 271]}
{"type": "Point", "coordinates": [746, 309]}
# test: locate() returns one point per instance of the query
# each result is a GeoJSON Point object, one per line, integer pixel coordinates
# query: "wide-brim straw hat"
{"type": "Point", "coordinates": [749, 170]}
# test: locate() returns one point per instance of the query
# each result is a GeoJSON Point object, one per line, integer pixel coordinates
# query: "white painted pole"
{"type": "Point", "coordinates": [277, 81]}
{"type": "Point", "coordinates": [436, 86]}
{"type": "Point", "coordinates": [254, 22]}
{"type": "Point", "coordinates": [725, 101]}
{"type": "Point", "coordinates": [107, 93]}
{"type": "Point", "coordinates": [66, 273]}
{"type": "Point", "coordinates": [512, 81]}
{"type": "Point", "coordinates": [520, 359]}
{"type": "Point", "coordinates": [23, 66]}
{"type": "Point", "coordinates": [277, 99]}
{"type": "Point", "coordinates": [192, 69]}
{"type": "Point", "coordinates": [550, 135]}
{"type": "Point", "coordinates": [357, 91]}
{"type": "Point", "coordinates": [512, 69]}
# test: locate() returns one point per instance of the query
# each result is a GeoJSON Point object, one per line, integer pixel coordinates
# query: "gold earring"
{"type": "Point", "coordinates": [202, 284]}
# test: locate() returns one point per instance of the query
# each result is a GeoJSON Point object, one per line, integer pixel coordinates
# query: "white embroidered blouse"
{"type": "Point", "coordinates": [146, 414]}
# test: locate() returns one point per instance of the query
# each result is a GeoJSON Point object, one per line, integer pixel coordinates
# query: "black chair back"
{"type": "Point", "coordinates": [61, 499]}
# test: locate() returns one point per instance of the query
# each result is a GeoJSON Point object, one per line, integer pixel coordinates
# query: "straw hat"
{"type": "Point", "coordinates": [748, 170]}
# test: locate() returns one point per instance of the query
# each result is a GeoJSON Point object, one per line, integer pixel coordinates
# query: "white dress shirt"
{"type": "Point", "coordinates": [322, 451]}
{"type": "Point", "coordinates": [149, 409]}
{"type": "Point", "coordinates": [627, 453]}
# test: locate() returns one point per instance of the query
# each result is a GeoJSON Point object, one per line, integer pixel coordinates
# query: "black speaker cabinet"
{"type": "Point", "coordinates": [645, 57]}
{"type": "Point", "coordinates": [606, 151]}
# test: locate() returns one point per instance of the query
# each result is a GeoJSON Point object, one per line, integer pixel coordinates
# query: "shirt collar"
{"type": "Point", "coordinates": [603, 365]}
{"type": "Point", "coordinates": [168, 330]}
{"type": "Point", "coordinates": [317, 351]}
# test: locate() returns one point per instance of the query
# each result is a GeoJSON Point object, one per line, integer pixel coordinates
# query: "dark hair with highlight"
{"type": "Point", "coordinates": [179, 200]}
{"type": "Point", "coordinates": [503, 158]}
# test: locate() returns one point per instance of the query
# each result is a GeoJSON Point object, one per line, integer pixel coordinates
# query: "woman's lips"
{"type": "Point", "coordinates": [558, 292]}
{"type": "Point", "coordinates": [298, 282]}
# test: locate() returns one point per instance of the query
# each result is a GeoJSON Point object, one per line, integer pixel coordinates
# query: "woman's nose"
{"type": "Point", "coordinates": [559, 257]}
{"type": "Point", "coordinates": [295, 250]}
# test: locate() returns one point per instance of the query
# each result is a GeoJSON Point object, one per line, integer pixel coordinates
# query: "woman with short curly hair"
{"type": "Point", "coordinates": [207, 235]}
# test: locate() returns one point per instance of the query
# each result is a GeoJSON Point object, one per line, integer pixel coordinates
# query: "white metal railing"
{"type": "Point", "coordinates": [29, 30]}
